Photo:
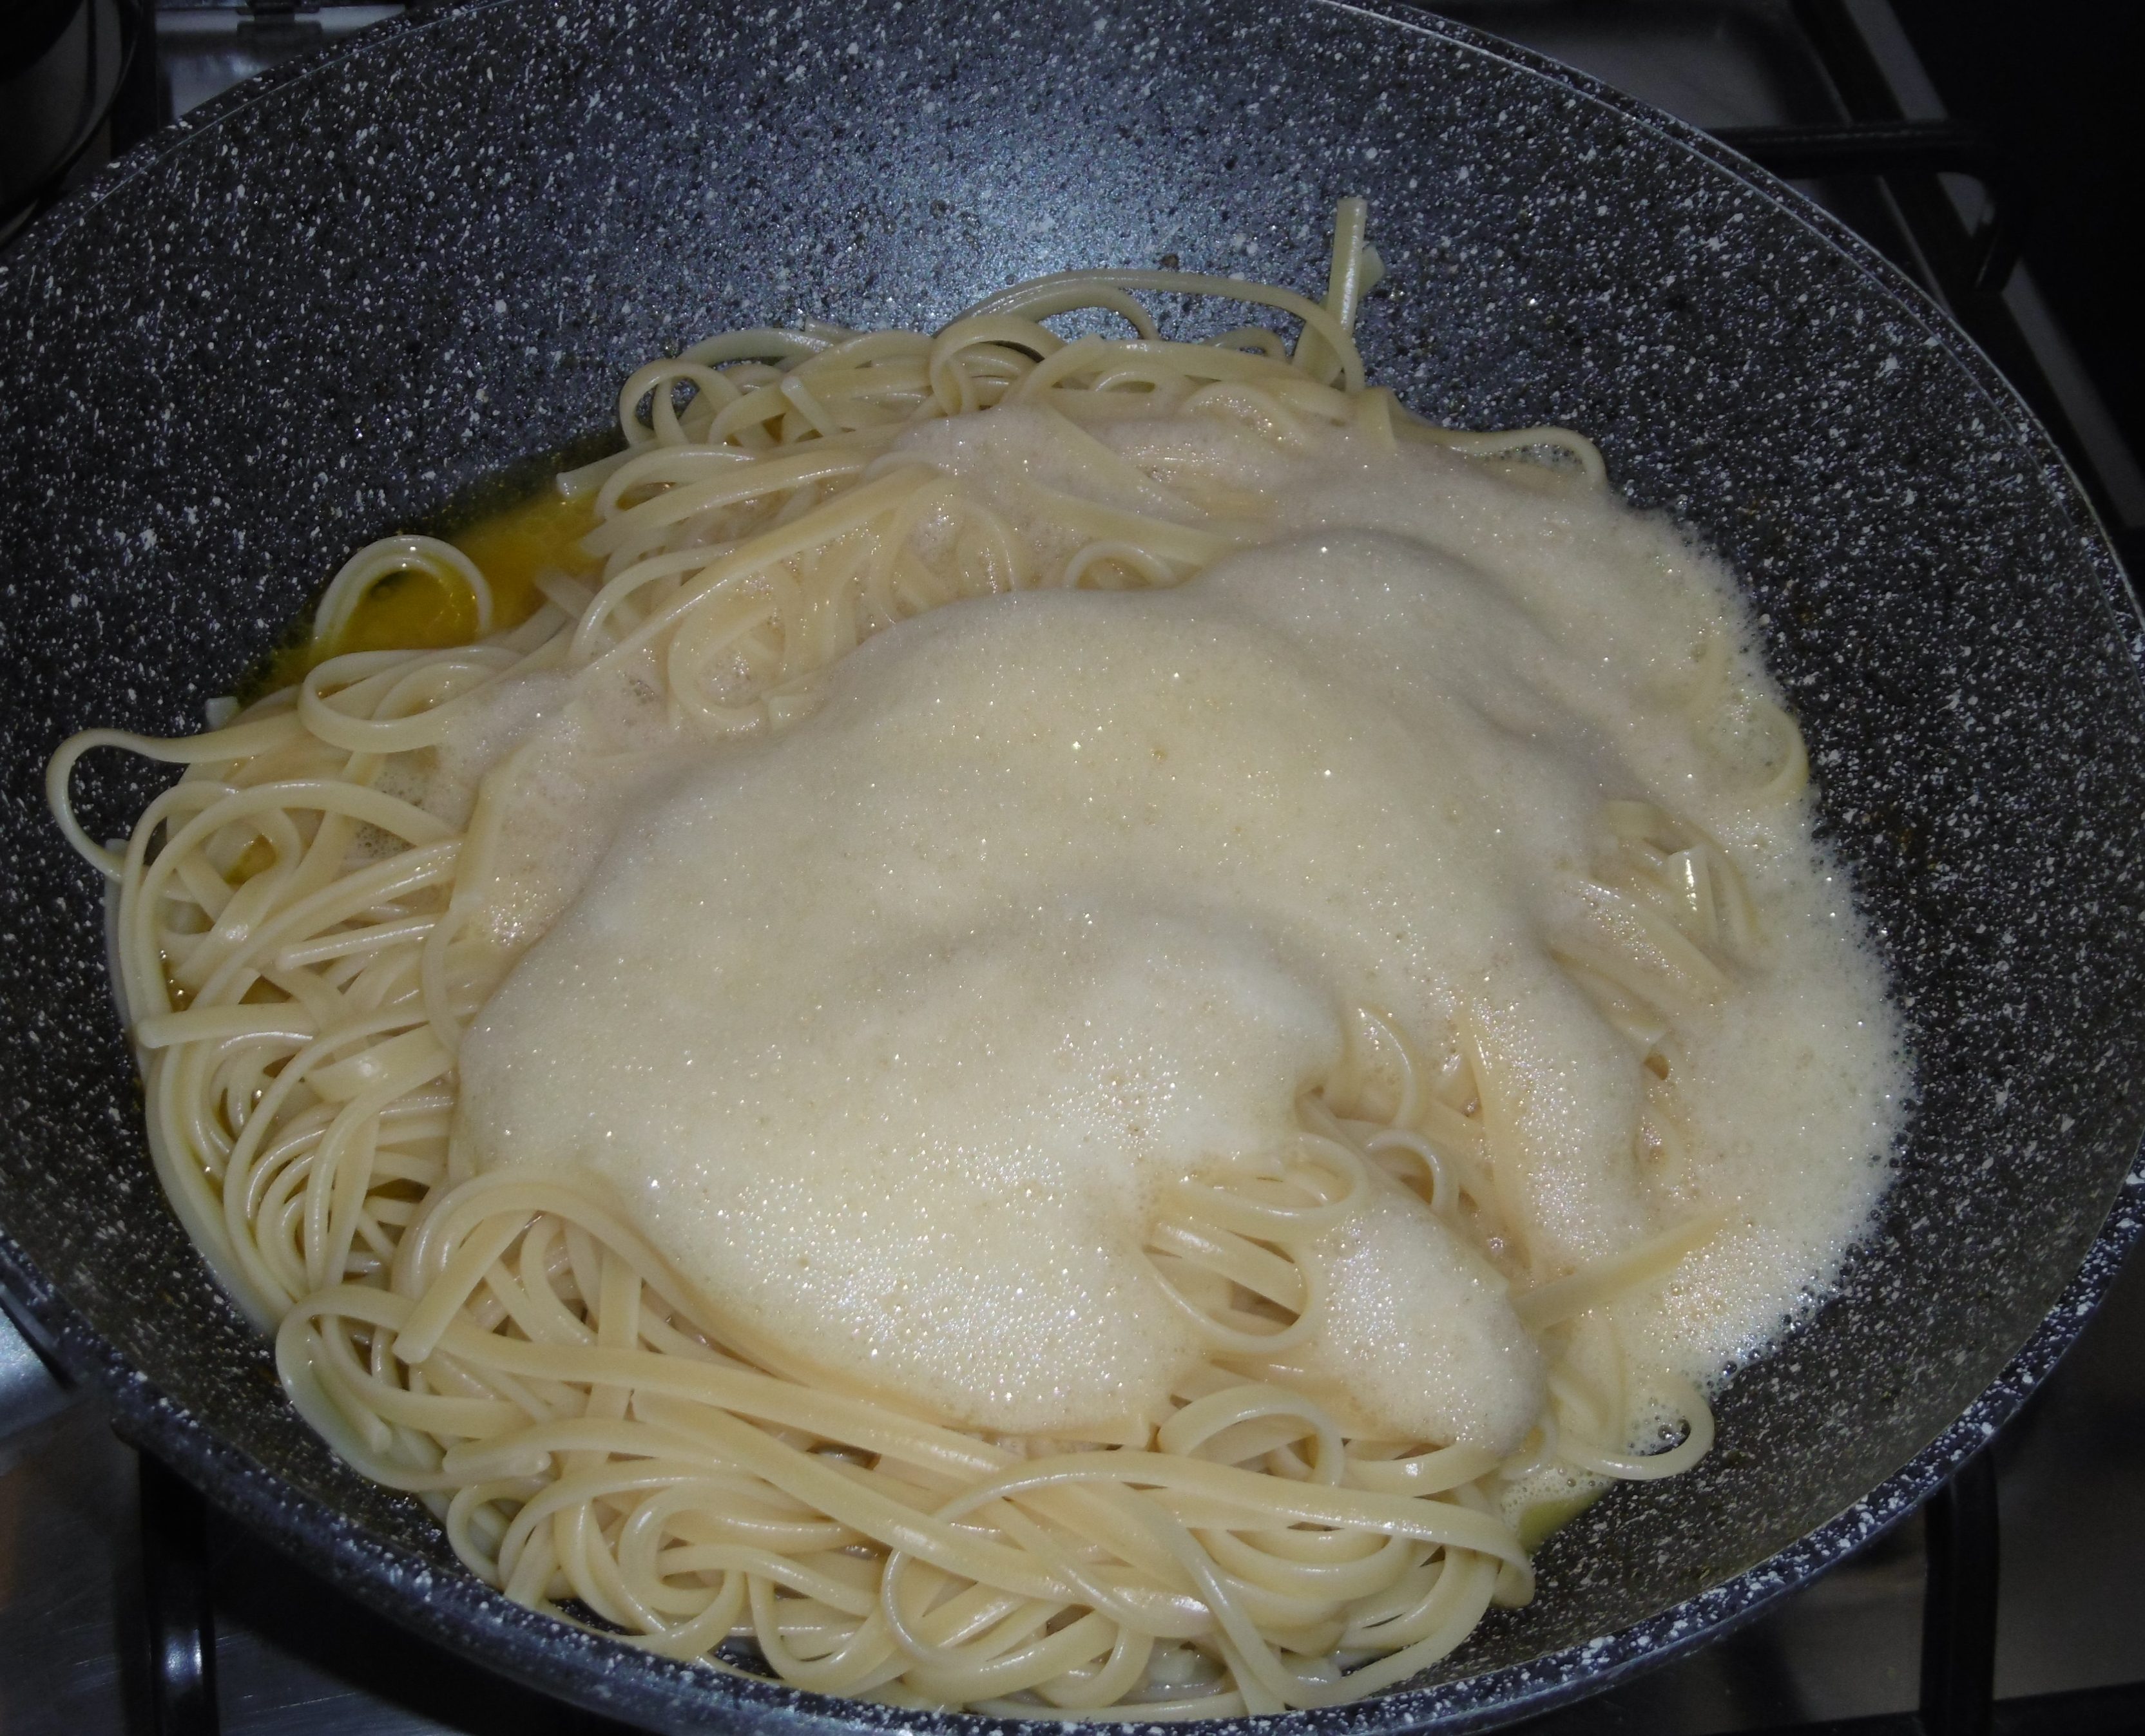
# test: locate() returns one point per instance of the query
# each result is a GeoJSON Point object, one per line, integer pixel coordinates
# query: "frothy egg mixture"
{"type": "Point", "coordinates": [895, 1029]}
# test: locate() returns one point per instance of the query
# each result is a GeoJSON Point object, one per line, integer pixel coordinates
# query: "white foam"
{"type": "Point", "coordinates": [891, 1029]}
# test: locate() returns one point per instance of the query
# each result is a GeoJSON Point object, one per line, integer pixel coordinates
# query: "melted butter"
{"type": "Point", "coordinates": [1539, 1519]}
{"type": "Point", "coordinates": [419, 610]}
{"type": "Point", "coordinates": [892, 1029]}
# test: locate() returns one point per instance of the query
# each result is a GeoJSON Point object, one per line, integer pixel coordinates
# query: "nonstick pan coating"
{"type": "Point", "coordinates": [337, 300]}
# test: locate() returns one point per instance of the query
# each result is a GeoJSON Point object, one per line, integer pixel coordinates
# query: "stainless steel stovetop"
{"type": "Point", "coordinates": [292, 1656]}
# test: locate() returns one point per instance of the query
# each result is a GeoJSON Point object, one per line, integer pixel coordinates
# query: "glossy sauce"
{"type": "Point", "coordinates": [421, 611]}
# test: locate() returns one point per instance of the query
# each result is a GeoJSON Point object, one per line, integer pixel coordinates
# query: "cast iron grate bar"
{"type": "Point", "coordinates": [1959, 1610]}
{"type": "Point", "coordinates": [181, 1608]}
{"type": "Point", "coordinates": [1863, 147]}
{"type": "Point", "coordinates": [1958, 264]}
{"type": "Point", "coordinates": [122, 117]}
{"type": "Point", "coordinates": [1889, 148]}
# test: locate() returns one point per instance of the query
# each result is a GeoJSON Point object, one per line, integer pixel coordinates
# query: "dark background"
{"type": "Point", "coordinates": [2059, 84]}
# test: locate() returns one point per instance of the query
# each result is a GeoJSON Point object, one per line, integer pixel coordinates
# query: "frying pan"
{"type": "Point", "coordinates": [335, 302]}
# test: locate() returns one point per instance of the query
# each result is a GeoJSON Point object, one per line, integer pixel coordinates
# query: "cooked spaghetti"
{"type": "Point", "coordinates": [408, 928]}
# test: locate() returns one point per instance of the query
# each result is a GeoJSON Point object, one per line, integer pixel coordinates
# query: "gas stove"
{"type": "Point", "coordinates": [127, 1606]}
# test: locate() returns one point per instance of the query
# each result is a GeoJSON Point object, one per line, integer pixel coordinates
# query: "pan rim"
{"type": "Point", "coordinates": [614, 1678]}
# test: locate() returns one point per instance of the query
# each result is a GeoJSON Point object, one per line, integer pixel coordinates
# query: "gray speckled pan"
{"type": "Point", "coordinates": [338, 298]}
